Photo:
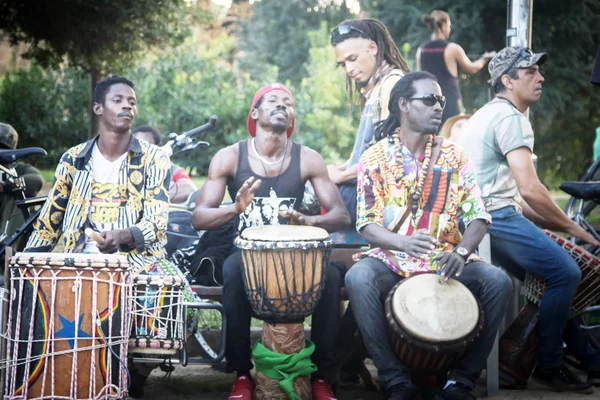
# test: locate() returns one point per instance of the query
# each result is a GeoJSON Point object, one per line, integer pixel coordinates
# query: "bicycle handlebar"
{"type": "Point", "coordinates": [184, 141]}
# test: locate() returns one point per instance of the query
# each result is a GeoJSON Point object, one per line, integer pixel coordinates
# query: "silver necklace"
{"type": "Point", "coordinates": [272, 192]}
{"type": "Point", "coordinates": [267, 161]}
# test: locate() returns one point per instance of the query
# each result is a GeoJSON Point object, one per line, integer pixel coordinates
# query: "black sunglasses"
{"type": "Point", "coordinates": [430, 99]}
{"type": "Point", "coordinates": [523, 54]}
{"type": "Point", "coordinates": [344, 30]}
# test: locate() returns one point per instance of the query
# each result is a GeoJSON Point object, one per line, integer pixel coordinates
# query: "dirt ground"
{"type": "Point", "coordinates": [204, 382]}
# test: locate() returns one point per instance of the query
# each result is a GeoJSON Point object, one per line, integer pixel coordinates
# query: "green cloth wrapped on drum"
{"type": "Point", "coordinates": [284, 367]}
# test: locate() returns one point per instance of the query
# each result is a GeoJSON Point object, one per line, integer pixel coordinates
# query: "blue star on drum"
{"type": "Point", "coordinates": [68, 330]}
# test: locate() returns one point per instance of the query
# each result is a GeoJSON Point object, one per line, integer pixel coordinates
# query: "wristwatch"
{"type": "Point", "coordinates": [461, 251]}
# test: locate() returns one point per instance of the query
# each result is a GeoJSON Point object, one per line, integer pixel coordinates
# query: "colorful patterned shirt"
{"type": "Point", "coordinates": [143, 184]}
{"type": "Point", "coordinates": [450, 192]}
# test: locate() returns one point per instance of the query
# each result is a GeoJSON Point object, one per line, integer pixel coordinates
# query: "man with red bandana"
{"type": "Point", "coordinates": [265, 176]}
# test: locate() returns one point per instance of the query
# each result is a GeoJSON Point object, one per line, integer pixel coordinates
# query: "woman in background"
{"type": "Point", "coordinates": [443, 59]}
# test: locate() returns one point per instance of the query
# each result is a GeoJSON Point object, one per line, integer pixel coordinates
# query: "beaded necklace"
{"type": "Point", "coordinates": [415, 188]}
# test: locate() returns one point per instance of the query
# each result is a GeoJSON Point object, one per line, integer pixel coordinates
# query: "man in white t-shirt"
{"type": "Point", "coordinates": [499, 141]}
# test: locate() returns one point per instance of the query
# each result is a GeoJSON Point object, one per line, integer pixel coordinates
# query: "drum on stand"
{"type": "Point", "coordinates": [519, 344]}
{"type": "Point", "coordinates": [283, 271]}
{"type": "Point", "coordinates": [158, 323]}
{"type": "Point", "coordinates": [66, 334]}
{"type": "Point", "coordinates": [432, 322]}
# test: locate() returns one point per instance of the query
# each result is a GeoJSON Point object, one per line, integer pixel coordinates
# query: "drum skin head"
{"type": "Point", "coordinates": [434, 310]}
{"type": "Point", "coordinates": [277, 233]}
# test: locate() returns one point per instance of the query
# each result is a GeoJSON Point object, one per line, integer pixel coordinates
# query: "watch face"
{"type": "Point", "coordinates": [462, 251]}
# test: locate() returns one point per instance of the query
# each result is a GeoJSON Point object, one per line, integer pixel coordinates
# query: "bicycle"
{"type": "Point", "coordinates": [585, 196]}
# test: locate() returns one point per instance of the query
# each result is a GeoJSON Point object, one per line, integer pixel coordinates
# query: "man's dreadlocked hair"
{"type": "Point", "coordinates": [404, 88]}
{"type": "Point", "coordinates": [387, 50]}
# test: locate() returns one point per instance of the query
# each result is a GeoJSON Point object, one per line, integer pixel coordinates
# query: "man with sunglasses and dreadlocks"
{"type": "Point", "coordinates": [412, 188]}
{"type": "Point", "coordinates": [499, 139]}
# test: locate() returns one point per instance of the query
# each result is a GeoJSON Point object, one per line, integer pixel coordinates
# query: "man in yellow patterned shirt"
{"type": "Point", "coordinates": [113, 184]}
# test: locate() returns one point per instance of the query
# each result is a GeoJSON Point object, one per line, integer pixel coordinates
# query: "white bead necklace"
{"type": "Point", "coordinates": [267, 161]}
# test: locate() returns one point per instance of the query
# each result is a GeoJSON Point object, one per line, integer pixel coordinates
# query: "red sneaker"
{"type": "Point", "coordinates": [242, 388]}
{"type": "Point", "coordinates": [321, 390]}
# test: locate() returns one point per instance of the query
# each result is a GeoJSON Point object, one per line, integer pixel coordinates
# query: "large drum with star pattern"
{"type": "Point", "coordinates": [67, 335]}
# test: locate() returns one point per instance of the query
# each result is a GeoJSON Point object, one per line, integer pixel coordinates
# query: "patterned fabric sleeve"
{"type": "Point", "coordinates": [370, 194]}
{"type": "Point", "coordinates": [151, 230]}
{"type": "Point", "coordinates": [470, 203]}
{"type": "Point", "coordinates": [48, 227]}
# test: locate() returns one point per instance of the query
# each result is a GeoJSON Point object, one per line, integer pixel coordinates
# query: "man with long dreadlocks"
{"type": "Point", "coordinates": [412, 188]}
{"type": "Point", "coordinates": [373, 64]}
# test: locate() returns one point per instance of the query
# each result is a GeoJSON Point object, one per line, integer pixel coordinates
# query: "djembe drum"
{"type": "Point", "coordinates": [67, 335]}
{"type": "Point", "coordinates": [158, 323]}
{"type": "Point", "coordinates": [283, 272]}
{"type": "Point", "coordinates": [432, 322]}
{"type": "Point", "coordinates": [519, 344]}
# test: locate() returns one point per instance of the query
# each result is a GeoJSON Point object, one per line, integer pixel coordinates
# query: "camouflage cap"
{"type": "Point", "coordinates": [8, 136]}
{"type": "Point", "coordinates": [517, 57]}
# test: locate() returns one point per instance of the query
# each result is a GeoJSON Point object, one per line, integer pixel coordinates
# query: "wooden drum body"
{"type": "Point", "coordinates": [67, 334]}
{"type": "Point", "coordinates": [432, 323]}
{"type": "Point", "coordinates": [284, 275]}
{"type": "Point", "coordinates": [283, 269]}
{"type": "Point", "coordinates": [519, 344]}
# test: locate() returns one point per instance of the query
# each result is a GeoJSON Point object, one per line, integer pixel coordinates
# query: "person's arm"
{"type": "Point", "coordinates": [457, 54]}
{"type": "Point", "coordinates": [329, 197]}
{"type": "Point", "coordinates": [474, 215]}
{"type": "Point", "coordinates": [181, 187]}
{"type": "Point", "coordinates": [538, 197]}
{"type": "Point", "coordinates": [208, 214]}
{"type": "Point", "coordinates": [48, 227]}
{"type": "Point", "coordinates": [418, 59]}
{"type": "Point", "coordinates": [32, 177]}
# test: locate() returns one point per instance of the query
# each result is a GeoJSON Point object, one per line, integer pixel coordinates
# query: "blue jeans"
{"type": "Point", "coordinates": [519, 247]}
{"type": "Point", "coordinates": [368, 283]}
{"type": "Point", "coordinates": [325, 320]}
{"type": "Point", "coordinates": [348, 192]}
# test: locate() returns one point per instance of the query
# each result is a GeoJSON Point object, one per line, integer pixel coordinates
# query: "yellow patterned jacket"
{"type": "Point", "coordinates": [145, 179]}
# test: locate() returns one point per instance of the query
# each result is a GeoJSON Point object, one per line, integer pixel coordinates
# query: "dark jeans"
{"type": "Point", "coordinates": [369, 281]}
{"type": "Point", "coordinates": [348, 192]}
{"type": "Point", "coordinates": [325, 320]}
{"type": "Point", "coordinates": [519, 247]}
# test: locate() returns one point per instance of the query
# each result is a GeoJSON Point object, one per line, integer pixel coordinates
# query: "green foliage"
{"type": "Point", "coordinates": [183, 88]}
{"type": "Point", "coordinates": [321, 102]}
{"type": "Point", "coordinates": [100, 35]}
{"type": "Point", "coordinates": [276, 34]}
{"type": "Point", "coordinates": [47, 108]}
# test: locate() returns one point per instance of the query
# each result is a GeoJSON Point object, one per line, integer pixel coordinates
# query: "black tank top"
{"type": "Point", "coordinates": [432, 60]}
{"type": "Point", "coordinates": [275, 194]}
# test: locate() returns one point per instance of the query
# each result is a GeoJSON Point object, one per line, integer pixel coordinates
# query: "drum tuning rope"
{"type": "Point", "coordinates": [124, 364]}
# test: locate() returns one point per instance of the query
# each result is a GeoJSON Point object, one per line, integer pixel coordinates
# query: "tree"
{"type": "Point", "coordinates": [276, 34]}
{"type": "Point", "coordinates": [98, 36]}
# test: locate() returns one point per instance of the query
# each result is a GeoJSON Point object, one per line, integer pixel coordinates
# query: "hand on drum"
{"type": "Point", "coordinates": [114, 239]}
{"type": "Point", "coordinates": [297, 218]}
{"type": "Point", "coordinates": [451, 264]}
{"type": "Point", "coordinates": [245, 195]}
{"type": "Point", "coordinates": [579, 232]}
{"type": "Point", "coordinates": [419, 244]}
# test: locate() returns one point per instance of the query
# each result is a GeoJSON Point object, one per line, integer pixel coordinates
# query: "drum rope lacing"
{"type": "Point", "coordinates": [34, 278]}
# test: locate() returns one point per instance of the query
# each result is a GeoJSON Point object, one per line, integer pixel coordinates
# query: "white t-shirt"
{"type": "Point", "coordinates": [105, 202]}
